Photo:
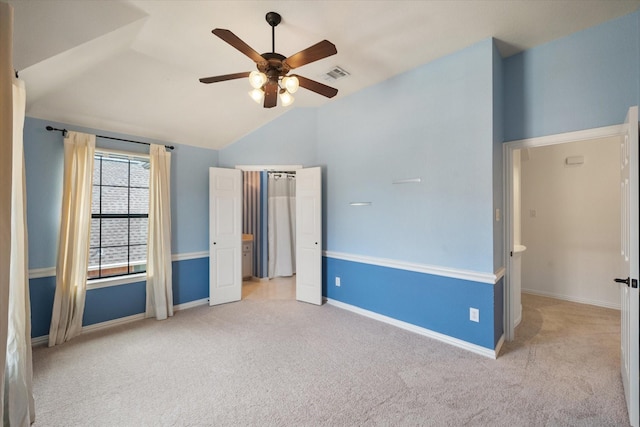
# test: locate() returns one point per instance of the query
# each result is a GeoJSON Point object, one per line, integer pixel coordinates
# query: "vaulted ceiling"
{"type": "Point", "coordinates": [133, 66]}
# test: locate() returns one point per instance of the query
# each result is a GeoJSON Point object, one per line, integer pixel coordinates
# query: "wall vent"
{"type": "Point", "coordinates": [335, 73]}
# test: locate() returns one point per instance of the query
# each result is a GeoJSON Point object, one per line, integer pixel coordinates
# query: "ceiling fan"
{"type": "Point", "coordinates": [271, 79]}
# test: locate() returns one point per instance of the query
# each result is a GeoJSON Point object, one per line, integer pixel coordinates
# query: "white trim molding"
{"type": "Point", "coordinates": [499, 345]}
{"type": "Point", "coordinates": [112, 323]}
{"type": "Point", "coordinates": [39, 273]}
{"type": "Point", "coordinates": [454, 273]}
{"type": "Point", "coordinates": [259, 168]}
{"type": "Point", "coordinates": [108, 282]}
{"type": "Point", "coordinates": [189, 255]}
{"type": "Point", "coordinates": [561, 138]}
{"type": "Point", "coordinates": [191, 304]}
{"type": "Point", "coordinates": [474, 348]}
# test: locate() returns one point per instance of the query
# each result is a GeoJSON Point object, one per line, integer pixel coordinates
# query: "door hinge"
{"type": "Point", "coordinates": [634, 283]}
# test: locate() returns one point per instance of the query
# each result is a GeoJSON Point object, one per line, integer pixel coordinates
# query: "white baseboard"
{"type": "Point", "coordinates": [191, 304]}
{"type": "Point", "coordinates": [483, 351]}
{"type": "Point", "coordinates": [112, 323]}
{"type": "Point", "coordinates": [519, 319]}
{"type": "Point", "coordinates": [570, 298]}
{"type": "Point", "coordinates": [43, 340]}
{"type": "Point", "coordinates": [499, 345]}
{"type": "Point", "coordinates": [120, 321]}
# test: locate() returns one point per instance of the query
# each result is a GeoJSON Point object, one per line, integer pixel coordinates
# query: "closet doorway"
{"type": "Point", "coordinates": [302, 235]}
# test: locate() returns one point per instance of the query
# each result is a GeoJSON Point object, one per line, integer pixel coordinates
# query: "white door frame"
{"type": "Point", "coordinates": [507, 149]}
{"type": "Point", "coordinates": [282, 168]}
{"type": "Point", "coordinates": [264, 168]}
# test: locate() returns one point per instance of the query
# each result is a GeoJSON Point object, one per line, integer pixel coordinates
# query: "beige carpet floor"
{"type": "Point", "coordinates": [277, 362]}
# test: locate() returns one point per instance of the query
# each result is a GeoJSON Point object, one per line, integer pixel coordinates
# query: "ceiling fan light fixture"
{"type": "Point", "coordinates": [291, 83]}
{"type": "Point", "coordinates": [270, 78]}
{"type": "Point", "coordinates": [286, 98]}
{"type": "Point", "coordinates": [257, 79]}
{"type": "Point", "coordinates": [257, 95]}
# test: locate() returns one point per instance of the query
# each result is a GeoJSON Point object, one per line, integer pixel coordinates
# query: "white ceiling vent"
{"type": "Point", "coordinates": [335, 73]}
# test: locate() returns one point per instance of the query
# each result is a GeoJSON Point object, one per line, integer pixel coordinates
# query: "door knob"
{"type": "Point", "coordinates": [625, 281]}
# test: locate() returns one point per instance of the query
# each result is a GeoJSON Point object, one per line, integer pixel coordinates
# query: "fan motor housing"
{"type": "Point", "coordinates": [274, 65]}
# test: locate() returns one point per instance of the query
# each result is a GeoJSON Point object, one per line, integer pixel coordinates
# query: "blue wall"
{"type": "Point", "coordinates": [437, 303]}
{"type": "Point", "coordinates": [435, 123]}
{"type": "Point", "coordinates": [586, 80]}
{"type": "Point", "coordinates": [44, 163]}
{"type": "Point", "coordinates": [498, 139]}
{"type": "Point", "coordinates": [288, 140]}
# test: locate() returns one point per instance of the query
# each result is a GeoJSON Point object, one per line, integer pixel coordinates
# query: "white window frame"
{"type": "Point", "coordinates": [105, 282]}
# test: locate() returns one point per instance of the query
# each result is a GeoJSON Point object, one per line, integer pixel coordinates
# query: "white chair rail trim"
{"type": "Point", "coordinates": [37, 273]}
{"type": "Point", "coordinates": [454, 273]}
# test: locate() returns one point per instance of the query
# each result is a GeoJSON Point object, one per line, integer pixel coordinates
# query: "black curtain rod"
{"type": "Point", "coordinates": [64, 133]}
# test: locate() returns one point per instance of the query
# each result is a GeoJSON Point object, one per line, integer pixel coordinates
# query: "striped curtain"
{"type": "Point", "coordinates": [251, 223]}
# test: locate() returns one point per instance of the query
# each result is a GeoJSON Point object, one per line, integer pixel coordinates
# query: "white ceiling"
{"type": "Point", "coordinates": [133, 66]}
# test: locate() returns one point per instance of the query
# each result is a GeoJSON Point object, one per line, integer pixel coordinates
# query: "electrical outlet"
{"type": "Point", "coordinates": [337, 281]}
{"type": "Point", "coordinates": [474, 314]}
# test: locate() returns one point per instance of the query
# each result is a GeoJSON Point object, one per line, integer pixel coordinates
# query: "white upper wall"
{"type": "Point", "coordinates": [573, 241]}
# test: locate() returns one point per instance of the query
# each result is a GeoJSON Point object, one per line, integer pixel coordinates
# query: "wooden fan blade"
{"type": "Point", "coordinates": [311, 54]}
{"type": "Point", "coordinates": [317, 87]}
{"type": "Point", "coordinates": [270, 94]}
{"type": "Point", "coordinates": [235, 41]}
{"type": "Point", "coordinates": [224, 77]}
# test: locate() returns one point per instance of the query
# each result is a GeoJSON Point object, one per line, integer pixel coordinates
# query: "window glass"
{"type": "Point", "coordinates": [119, 216]}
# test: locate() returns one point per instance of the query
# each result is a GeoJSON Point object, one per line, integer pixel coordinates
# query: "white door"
{"type": "Point", "coordinates": [309, 235]}
{"type": "Point", "coordinates": [629, 345]}
{"type": "Point", "coordinates": [225, 235]}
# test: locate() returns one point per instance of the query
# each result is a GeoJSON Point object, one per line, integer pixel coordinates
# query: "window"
{"type": "Point", "coordinates": [119, 215]}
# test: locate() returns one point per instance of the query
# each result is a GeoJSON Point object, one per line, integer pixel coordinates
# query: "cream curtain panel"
{"type": "Point", "coordinates": [159, 272]}
{"type": "Point", "coordinates": [73, 247]}
{"type": "Point", "coordinates": [6, 160]}
{"type": "Point", "coordinates": [18, 399]}
{"type": "Point", "coordinates": [16, 395]}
